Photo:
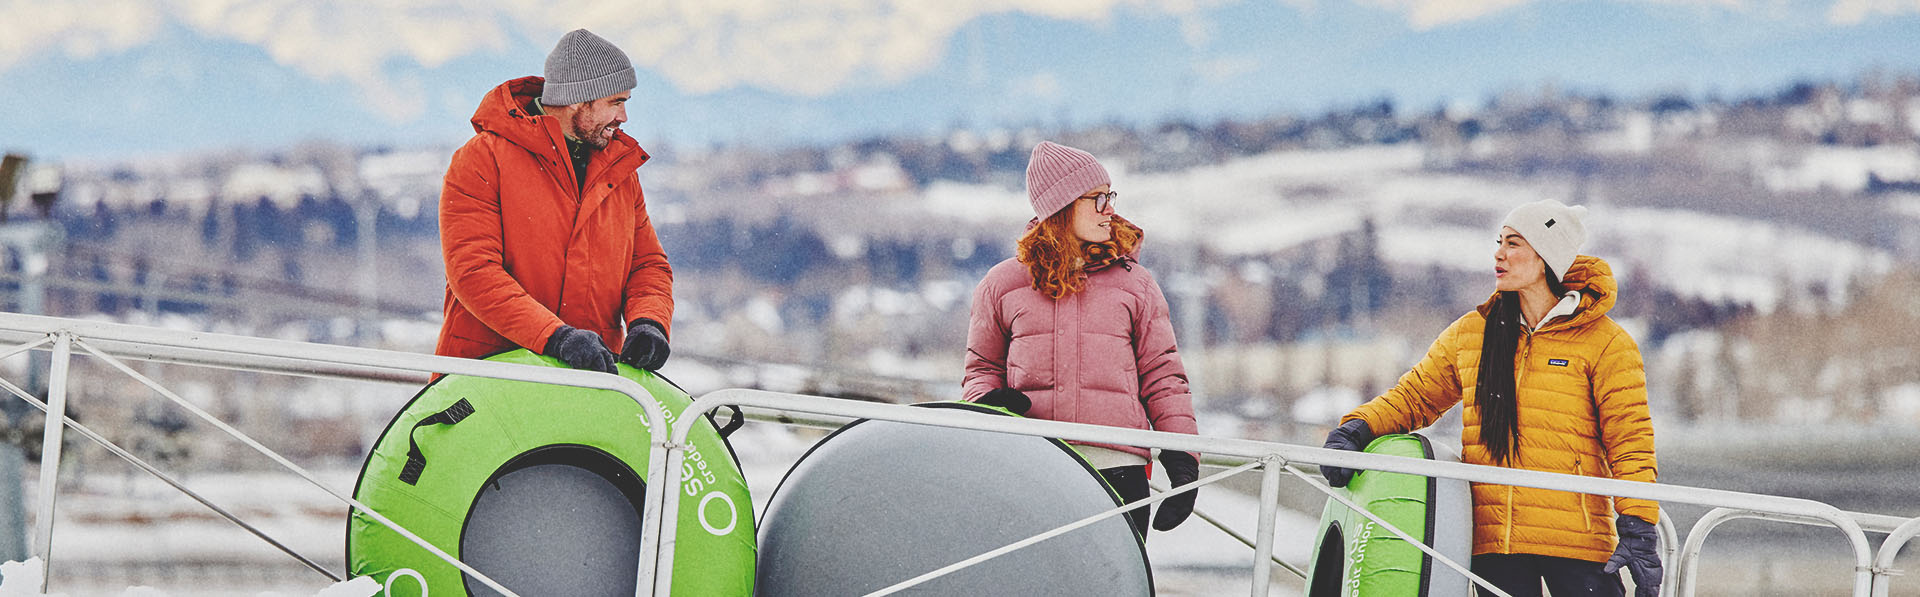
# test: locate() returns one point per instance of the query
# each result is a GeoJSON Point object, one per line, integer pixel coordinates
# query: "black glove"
{"type": "Point", "coordinates": [1007, 398]}
{"type": "Point", "coordinates": [1637, 553]}
{"type": "Point", "coordinates": [580, 349]}
{"type": "Point", "coordinates": [646, 345]}
{"type": "Point", "coordinates": [1353, 436]}
{"type": "Point", "coordinates": [1181, 470]}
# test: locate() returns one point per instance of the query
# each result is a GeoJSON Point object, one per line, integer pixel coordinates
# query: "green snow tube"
{"type": "Point", "coordinates": [1355, 556]}
{"type": "Point", "coordinates": [539, 487]}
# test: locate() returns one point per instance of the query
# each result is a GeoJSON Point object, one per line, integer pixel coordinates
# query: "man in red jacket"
{"type": "Point", "coordinates": [543, 224]}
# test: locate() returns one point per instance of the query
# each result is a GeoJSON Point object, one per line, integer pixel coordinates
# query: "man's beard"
{"type": "Point", "coordinates": [596, 137]}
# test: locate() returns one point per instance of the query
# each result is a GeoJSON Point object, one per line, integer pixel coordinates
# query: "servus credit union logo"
{"type": "Point", "coordinates": [1357, 557]}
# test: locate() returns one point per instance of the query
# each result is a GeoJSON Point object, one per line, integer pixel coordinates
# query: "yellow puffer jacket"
{"type": "Point", "coordinates": [1582, 396]}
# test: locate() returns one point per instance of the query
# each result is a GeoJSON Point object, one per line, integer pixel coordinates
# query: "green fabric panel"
{"type": "Point", "coordinates": [1377, 563]}
{"type": "Point", "coordinates": [511, 418]}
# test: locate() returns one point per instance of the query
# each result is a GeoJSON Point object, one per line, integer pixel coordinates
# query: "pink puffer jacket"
{"type": "Point", "coordinates": [1104, 355]}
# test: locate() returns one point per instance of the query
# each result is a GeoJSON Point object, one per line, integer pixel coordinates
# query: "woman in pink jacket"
{"type": "Point", "coordinates": [1074, 329]}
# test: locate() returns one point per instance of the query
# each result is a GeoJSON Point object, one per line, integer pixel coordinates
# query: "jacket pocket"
{"type": "Point", "coordinates": [1586, 499]}
{"type": "Point", "coordinates": [1598, 507]}
{"type": "Point", "coordinates": [1017, 377]}
{"type": "Point", "coordinates": [1029, 363]}
{"type": "Point", "coordinates": [466, 345]}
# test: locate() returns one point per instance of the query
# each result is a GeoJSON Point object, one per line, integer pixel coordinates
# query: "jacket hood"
{"type": "Point", "coordinates": [503, 112]}
{"type": "Point", "coordinates": [1593, 279]}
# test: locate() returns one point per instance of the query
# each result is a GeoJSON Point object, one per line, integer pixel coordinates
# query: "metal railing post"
{"type": "Point", "coordinates": [50, 454]}
{"type": "Point", "coordinates": [1269, 509]}
{"type": "Point", "coordinates": [1688, 564]}
{"type": "Point", "coordinates": [13, 473]}
{"type": "Point", "coordinates": [1202, 514]}
{"type": "Point", "coordinates": [1889, 551]}
{"type": "Point", "coordinates": [1669, 548]}
{"type": "Point", "coordinates": [653, 501]}
{"type": "Point", "coordinates": [1669, 536]}
{"type": "Point", "coordinates": [1684, 566]}
{"type": "Point", "coordinates": [669, 507]}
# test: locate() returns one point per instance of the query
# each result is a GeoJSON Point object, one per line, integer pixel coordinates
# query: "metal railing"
{"type": "Point", "coordinates": [106, 340]}
{"type": "Point", "coordinates": [113, 342]}
{"type": "Point", "coordinates": [1883, 566]}
{"type": "Point", "coordinates": [1234, 452]}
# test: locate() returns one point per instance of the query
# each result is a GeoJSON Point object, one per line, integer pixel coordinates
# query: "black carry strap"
{"type": "Point", "coordinates": [733, 423]}
{"type": "Point", "coordinates": [416, 461]}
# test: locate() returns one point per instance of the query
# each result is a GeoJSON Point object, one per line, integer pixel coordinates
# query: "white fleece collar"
{"type": "Point", "coordinates": [1565, 307]}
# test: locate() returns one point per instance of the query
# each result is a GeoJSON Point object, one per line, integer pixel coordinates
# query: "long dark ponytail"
{"type": "Point", "coordinates": [1499, 412]}
{"type": "Point", "coordinates": [1499, 406]}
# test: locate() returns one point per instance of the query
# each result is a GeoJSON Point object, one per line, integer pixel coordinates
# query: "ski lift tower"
{"type": "Point", "coordinates": [33, 243]}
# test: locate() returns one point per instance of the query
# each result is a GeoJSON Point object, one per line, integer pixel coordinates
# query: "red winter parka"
{"type": "Point", "coordinates": [528, 248]}
{"type": "Point", "coordinates": [1582, 397]}
{"type": "Point", "coordinates": [1104, 355]}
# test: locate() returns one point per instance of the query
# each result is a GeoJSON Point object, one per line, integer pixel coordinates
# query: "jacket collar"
{"type": "Point", "coordinates": [1123, 260]}
{"type": "Point", "coordinates": [503, 112]}
{"type": "Point", "coordinates": [1564, 307]}
{"type": "Point", "coordinates": [1592, 280]}
{"type": "Point", "coordinates": [1131, 256]}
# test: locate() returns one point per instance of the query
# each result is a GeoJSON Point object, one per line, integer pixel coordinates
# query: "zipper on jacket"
{"type": "Point", "coordinates": [1586, 511]}
{"type": "Point", "coordinates": [1520, 369]}
{"type": "Point", "coordinates": [1070, 305]}
{"type": "Point", "coordinates": [572, 186]}
{"type": "Point", "coordinates": [549, 172]}
{"type": "Point", "coordinates": [1506, 542]}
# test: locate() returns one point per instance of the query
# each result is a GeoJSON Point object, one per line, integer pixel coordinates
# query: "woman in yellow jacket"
{"type": "Point", "coordinates": [1551, 384]}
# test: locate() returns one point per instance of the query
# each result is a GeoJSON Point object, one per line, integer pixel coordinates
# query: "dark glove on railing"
{"type": "Point", "coordinates": [580, 349]}
{"type": "Point", "coordinates": [1353, 436]}
{"type": "Point", "coordinates": [646, 345]}
{"type": "Point", "coordinates": [1007, 398]}
{"type": "Point", "coordinates": [1181, 470]}
{"type": "Point", "coordinates": [1638, 553]}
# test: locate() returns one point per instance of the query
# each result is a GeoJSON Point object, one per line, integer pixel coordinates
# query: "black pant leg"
{"type": "Point", "coordinates": [1131, 483]}
{"type": "Point", "coordinates": [1568, 577]}
{"type": "Point", "coordinates": [1517, 574]}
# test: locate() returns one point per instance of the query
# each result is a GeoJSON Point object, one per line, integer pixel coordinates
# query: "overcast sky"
{"type": "Point", "coordinates": [106, 79]}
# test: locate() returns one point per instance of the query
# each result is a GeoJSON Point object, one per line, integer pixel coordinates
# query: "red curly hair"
{"type": "Point", "coordinates": [1058, 261]}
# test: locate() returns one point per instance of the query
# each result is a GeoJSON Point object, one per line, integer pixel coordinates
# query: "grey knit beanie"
{"type": "Point", "coordinates": [584, 67]}
{"type": "Point", "coordinates": [1555, 231]}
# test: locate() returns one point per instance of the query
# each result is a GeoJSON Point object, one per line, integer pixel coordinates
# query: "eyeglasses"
{"type": "Point", "coordinates": [1102, 202]}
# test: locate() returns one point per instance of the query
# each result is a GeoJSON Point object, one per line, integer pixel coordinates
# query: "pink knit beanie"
{"type": "Point", "coordinates": [1057, 174]}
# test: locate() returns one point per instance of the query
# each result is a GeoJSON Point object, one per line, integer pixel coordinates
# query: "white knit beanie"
{"type": "Point", "coordinates": [1057, 174]}
{"type": "Point", "coordinates": [584, 67]}
{"type": "Point", "coordinates": [1554, 230]}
